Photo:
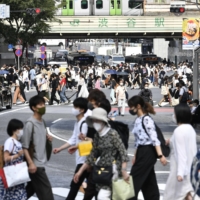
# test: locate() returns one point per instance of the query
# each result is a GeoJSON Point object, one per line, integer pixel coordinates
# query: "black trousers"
{"type": "Point", "coordinates": [40, 185]}
{"type": "Point", "coordinates": [53, 97]}
{"type": "Point", "coordinates": [90, 191]}
{"type": "Point", "coordinates": [143, 173]}
{"type": "Point", "coordinates": [75, 186]}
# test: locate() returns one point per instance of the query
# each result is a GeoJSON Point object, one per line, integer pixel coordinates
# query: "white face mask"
{"type": "Point", "coordinates": [20, 134]}
{"type": "Point", "coordinates": [121, 84]}
{"type": "Point", "coordinates": [97, 126]}
{"type": "Point", "coordinates": [174, 119]}
{"type": "Point", "coordinates": [75, 112]}
{"type": "Point", "coordinates": [145, 87]}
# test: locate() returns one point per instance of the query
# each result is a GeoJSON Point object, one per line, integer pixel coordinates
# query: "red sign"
{"type": "Point", "coordinates": [42, 48]}
{"type": "Point", "coordinates": [18, 52]}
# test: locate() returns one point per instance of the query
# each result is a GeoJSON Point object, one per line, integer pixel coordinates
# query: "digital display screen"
{"type": "Point", "coordinates": [83, 58]}
{"type": "Point", "coordinates": [150, 59]}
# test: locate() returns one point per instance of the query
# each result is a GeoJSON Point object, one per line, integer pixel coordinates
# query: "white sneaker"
{"type": "Point", "coordinates": [27, 91]}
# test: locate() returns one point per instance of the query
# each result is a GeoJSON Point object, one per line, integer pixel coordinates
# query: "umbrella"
{"type": "Point", "coordinates": [2, 72]}
{"type": "Point", "coordinates": [122, 73]}
{"type": "Point", "coordinates": [110, 71]}
{"type": "Point", "coordinates": [38, 63]}
{"type": "Point", "coordinates": [169, 73]}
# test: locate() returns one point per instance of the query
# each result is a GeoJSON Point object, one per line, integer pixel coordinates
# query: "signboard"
{"type": "Point", "coordinates": [4, 11]}
{"type": "Point", "coordinates": [18, 46]}
{"type": "Point", "coordinates": [10, 47]}
{"type": "Point", "coordinates": [42, 48]}
{"type": "Point", "coordinates": [18, 52]}
{"type": "Point", "coordinates": [190, 33]}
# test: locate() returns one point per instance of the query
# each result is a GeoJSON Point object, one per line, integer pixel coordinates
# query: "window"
{"type": "Point", "coordinates": [84, 4]}
{"type": "Point", "coordinates": [132, 4]}
{"type": "Point", "coordinates": [99, 4]}
{"type": "Point", "coordinates": [70, 4]}
{"type": "Point", "coordinates": [112, 4]}
{"type": "Point", "coordinates": [119, 4]}
{"type": "Point", "coordinates": [64, 4]}
{"type": "Point", "coordinates": [159, 1]}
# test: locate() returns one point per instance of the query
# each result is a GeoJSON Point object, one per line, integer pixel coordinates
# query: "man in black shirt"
{"type": "Point", "coordinates": [54, 89]}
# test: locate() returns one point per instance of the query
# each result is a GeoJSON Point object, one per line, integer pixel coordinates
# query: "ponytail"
{"type": "Point", "coordinates": [148, 108]}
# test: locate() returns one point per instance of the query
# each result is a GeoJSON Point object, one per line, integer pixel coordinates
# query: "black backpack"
{"type": "Point", "coordinates": [185, 97]}
{"type": "Point", "coordinates": [161, 75]}
{"type": "Point", "coordinates": [91, 131]}
{"type": "Point", "coordinates": [165, 148]}
{"type": "Point", "coordinates": [122, 129]}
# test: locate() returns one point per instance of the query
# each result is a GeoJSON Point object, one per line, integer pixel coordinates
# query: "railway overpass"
{"type": "Point", "coordinates": [116, 27]}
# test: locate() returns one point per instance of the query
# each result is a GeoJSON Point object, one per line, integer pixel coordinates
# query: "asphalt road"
{"type": "Point", "coordinates": [61, 167]}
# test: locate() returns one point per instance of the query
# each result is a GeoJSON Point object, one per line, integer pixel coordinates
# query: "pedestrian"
{"type": "Point", "coordinates": [43, 87]}
{"type": "Point", "coordinates": [35, 133]}
{"type": "Point", "coordinates": [183, 146]}
{"type": "Point", "coordinates": [110, 147]}
{"type": "Point", "coordinates": [14, 154]}
{"type": "Point", "coordinates": [19, 87]}
{"type": "Point", "coordinates": [161, 77]}
{"type": "Point", "coordinates": [63, 97]}
{"type": "Point", "coordinates": [97, 84]}
{"type": "Point", "coordinates": [26, 78]}
{"type": "Point", "coordinates": [121, 97]}
{"type": "Point", "coordinates": [183, 92]}
{"type": "Point", "coordinates": [69, 79]}
{"type": "Point", "coordinates": [79, 110]}
{"type": "Point", "coordinates": [146, 94]}
{"type": "Point", "coordinates": [147, 150]}
{"type": "Point", "coordinates": [81, 82]}
{"type": "Point", "coordinates": [54, 86]}
{"type": "Point", "coordinates": [32, 76]}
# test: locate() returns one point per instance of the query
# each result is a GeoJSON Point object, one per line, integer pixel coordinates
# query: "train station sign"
{"type": "Point", "coordinates": [117, 24]}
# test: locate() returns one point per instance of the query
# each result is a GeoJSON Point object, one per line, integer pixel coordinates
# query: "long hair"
{"type": "Point", "coordinates": [146, 107]}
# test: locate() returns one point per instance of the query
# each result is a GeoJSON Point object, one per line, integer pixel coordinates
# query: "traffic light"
{"type": "Point", "coordinates": [177, 7]}
{"type": "Point", "coordinates": [33, 11]}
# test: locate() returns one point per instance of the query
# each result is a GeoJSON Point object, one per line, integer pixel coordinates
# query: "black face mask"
{"type": "Point", "coordinates": [132, 112]}
{"type": "Point", "coordinates": [90, 106]}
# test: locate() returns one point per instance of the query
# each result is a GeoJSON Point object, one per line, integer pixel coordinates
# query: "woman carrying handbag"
{"type": "Point", "coordinates": [108, 156]}
{"type": "Point", "coordinates": [13, 154]}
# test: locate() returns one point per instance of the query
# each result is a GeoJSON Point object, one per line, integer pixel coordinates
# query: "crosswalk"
{"type": "Point", "coordinates": [63, 192]}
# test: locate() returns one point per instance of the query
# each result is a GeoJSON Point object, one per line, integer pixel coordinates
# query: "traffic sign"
{"type": "Point", "coordinates": [42, 48]}
{"type": "Point", "coordinates": [18, 52]}
{"type": "Point", "coordinates": [18, 46]}
{"type": "Point", "coordinates": [4, 11]}
{"type": "Point", "coordinates": [43, 56]}
{"type": "Point", "coordinates": [10, 47]}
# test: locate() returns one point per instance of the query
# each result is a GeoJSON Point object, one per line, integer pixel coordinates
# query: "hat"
{"type": "Point", "coordinates": [99, 114]}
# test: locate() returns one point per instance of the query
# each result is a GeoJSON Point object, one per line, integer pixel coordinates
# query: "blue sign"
{"type": "Point", "coordinates": [10, 47]}
{"type": "Point", "coordinates": [18, 52]}
{"type": "Point", "coordinates": [43, 56]}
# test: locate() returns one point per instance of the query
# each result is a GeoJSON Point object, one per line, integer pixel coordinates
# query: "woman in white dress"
{"type": "Point", "coordinates": [183, 149]}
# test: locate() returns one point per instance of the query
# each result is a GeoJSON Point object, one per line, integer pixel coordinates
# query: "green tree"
{"type": "Point", "coordinates": [27, 28]}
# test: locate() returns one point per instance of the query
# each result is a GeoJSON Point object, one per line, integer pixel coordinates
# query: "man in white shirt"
{"type": "Point", "coordinates": [26, 78]}
{"type": "Point", "coordinates": [80, 127]}
{"type": "Point", "coordinates": [57, 71]}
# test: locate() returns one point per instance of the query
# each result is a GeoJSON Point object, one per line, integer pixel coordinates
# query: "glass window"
{"type": "Point", "coordinates": [132, 4]}
{"type": "Point", "coordinates": [70, 4]}
{"type": "Point", "coordinates": [159, 1]}
{"type": "Point", "coordinates": [84, 4]}
{"type": "Point", "coordinates": [64, 4]}
{"type": "Point", "coordinates": [99, 4]}
{"type": "Point", "coordinates": [119, 4]}
{"type": "Point", "coordinates": [112, 4]}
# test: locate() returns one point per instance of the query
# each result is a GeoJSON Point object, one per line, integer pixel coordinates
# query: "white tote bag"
{"type": "Point", "coordinates": [164, 90]}
{"type": "Point", "coordinates": [175, 101]}
{"type": "Point", "coordinates": [16, 174]}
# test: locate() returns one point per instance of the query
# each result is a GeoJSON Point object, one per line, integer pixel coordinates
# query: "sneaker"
{"type": "Point", "coordinates": [27, 91]}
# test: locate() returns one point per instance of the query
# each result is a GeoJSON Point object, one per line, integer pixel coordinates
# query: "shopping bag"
{"type": "Point", "coordinates": [175, 101]}
{"type": "Point", "coordinates": [3, 178]}
{"type": "Point", "coordinates": [85, 148]}
{"type": "Point", "coordinates": [164, 90]}
{"type": "Point", "coordinates": [123, 190]}
{"type": "Point", "coordinates": [16, 174]}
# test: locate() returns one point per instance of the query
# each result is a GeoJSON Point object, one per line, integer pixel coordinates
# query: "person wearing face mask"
{"type": "Point", "coordinates": [107, 148]}
{"type": "Point", "coordinates": [35, 133]}
{"type": "Point", "coordinates": [183, 146]}
{"type": "Point", "coordinates": [121, 97]}
{"type": "Point", "coordinates": [14, 154]}
{"type": "Point", "coordinates": [146, 94]}
{"type": "Point", "coordinates": [79, 109]}
{"type": "Point", "coordinates": [147, 150]}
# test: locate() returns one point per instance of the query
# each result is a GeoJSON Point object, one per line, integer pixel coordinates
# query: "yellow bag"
{"type": "Point", "coordinates": [85, 148]}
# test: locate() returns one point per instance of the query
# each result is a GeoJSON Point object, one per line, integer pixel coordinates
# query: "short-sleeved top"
{"type": "Point", "coordinates": [121, 92]}
{"type": "Point", "coordinates": [63, 81]}
{"type": "Point", "coordinates": [12, 146]}
{"type": "Point", "coordinates": [35, 131]}
{"type": "Point", "coordinates": [141, 137]}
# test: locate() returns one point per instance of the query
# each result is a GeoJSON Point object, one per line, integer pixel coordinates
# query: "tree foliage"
{"type": "Point", "coordinates": [26, 27]}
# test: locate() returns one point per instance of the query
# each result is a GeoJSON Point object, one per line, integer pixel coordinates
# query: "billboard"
{"type": "Point", "coordinates": [190, 33]}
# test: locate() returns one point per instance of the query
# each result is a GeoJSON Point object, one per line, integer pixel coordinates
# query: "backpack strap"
{"type": "Point", "coordinates": [82, 125]}
{"type": "Point", "coordinates": [143, 126]}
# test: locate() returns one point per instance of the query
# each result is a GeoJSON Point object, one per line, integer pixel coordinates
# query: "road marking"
{"type": "Point", "coordinates": [56, 120]}
{"type": "Point", "coordinates": [13, 111]}
{"type": "Point", "coordinates": [50, 133]}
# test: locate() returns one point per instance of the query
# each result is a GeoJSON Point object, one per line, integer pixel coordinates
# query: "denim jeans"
{"type": "Point", "coordinates": [62, 94]}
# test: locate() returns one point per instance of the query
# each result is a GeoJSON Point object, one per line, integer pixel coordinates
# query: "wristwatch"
{"type": "Point", "coordinates": [160, 156]}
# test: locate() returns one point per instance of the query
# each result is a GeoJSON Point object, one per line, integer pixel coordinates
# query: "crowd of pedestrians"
{"type": "Point", "coordinates": [92, 124]}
